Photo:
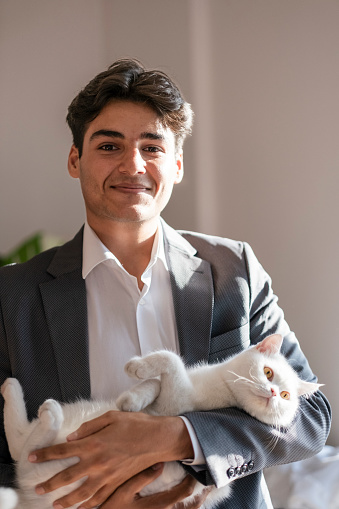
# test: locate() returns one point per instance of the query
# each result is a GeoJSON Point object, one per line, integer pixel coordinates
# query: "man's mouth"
{"type": "Point", "coordinates": [132, 188]}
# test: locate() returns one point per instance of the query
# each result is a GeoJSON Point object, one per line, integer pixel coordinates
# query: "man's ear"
{"type": "Point", "coordinates": [180, 167]}
{"type": "Point", "coordinates": [73, 162]}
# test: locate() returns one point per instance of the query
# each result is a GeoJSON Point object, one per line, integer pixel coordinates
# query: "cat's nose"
{"type": "Point", "coordinates": [273, 392]}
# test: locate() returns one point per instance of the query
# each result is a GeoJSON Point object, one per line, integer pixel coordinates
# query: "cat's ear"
{"type": "Point", "coordinates": [307, 388]}
{"type": "Point", "coordinates": [270, 345]}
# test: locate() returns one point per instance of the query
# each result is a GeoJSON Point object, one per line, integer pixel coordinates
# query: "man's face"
{"type": "Point", "coordinates": [128, 165]}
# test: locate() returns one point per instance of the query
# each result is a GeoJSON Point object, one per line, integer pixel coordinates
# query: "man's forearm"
{"type": "Point", "coordinates": [238, 439]}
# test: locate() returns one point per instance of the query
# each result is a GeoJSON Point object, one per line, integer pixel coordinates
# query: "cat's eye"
{"type": "Point", "coordinates": [268, 373]}
{"type": "Point", "coordinates": [285, 395]}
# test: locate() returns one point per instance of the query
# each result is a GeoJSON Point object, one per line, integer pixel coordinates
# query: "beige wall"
{"type": "Point", "coordinates": [276, 107]}
{"type": "Point", "coordinates": [262, 165]}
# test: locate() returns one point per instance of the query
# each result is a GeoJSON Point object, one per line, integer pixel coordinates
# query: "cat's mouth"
{"type": "Point", "coordinates": [264, 395]}
{"type": "Point", "coordinates": [266, 400]}
{"type": "Point", "coordinates": [269, 401]}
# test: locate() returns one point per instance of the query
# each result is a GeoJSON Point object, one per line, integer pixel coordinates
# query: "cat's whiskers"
{"type": "Point", "coordinates": [276, 428]}
{"type": "Point", "coordinates": [253, 383]}
{"type": "Point", "coordinates": [241, 378]}
{"type": "Point", "coordinates": [273, 441]}
{"type": "Point", "coordinates": [254, 377]}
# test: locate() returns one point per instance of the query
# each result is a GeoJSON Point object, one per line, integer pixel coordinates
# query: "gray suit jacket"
{"type": "Point", "coordinates": [223, 302]}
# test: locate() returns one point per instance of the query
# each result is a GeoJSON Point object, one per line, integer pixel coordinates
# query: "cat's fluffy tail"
{"type": "Point", "coordinates": [8, 498]}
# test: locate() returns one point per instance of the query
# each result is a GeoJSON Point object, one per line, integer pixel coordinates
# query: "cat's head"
{"type": "Point", "coordinates": [266, 384]}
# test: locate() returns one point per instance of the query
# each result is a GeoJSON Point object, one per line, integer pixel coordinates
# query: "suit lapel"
{"type": "Point", "coordinates": [64, 300]}
{"type": "Point", "coordinates": [192, 288]}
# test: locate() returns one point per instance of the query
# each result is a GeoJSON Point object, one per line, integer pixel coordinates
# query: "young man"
{"type": "Point", "coordinates": [128, 284]}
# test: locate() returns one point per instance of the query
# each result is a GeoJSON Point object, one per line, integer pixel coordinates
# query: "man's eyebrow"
{"type": "Point", "coordinates": [116, 134]}
{"type": "Point", "coordinates": [106, 132]}
{"type": "Point", "coordinates": [151, 136]}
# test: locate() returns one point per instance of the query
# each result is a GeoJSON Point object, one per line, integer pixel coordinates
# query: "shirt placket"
{"type": "Point", "coordinates": [146, 318]}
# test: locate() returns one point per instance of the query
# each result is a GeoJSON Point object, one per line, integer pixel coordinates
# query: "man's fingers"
{"type": "Point", "coordinates": [54, 452]}
{"type": "Point", "coordinates": [90, 427]}
{"type": "Point", "coordinates": [197, 501]}
{"type": "Point", "coordinates": [85, 492]}
{"type": "Point", "coordinates": [139, 481]}
{"type": "Point", "coordinates": [182, 490]}
{"type": "Point", "coordinates": [101, 496]}
{"type": "Point", "coordinates": [63, 478]}
{"type": "Point", "coordinates": [66, 450]}
{"type": "Point", "coordinates": [127, 495]}
{"type": "Point", "coordinates": [167, 499]}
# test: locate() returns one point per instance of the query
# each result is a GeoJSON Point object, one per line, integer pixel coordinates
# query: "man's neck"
{"type": "Point", "coordinates": [130, 243]}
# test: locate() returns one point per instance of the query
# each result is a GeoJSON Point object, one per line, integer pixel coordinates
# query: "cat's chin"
{"type": "Point", "coordinates": [259, 403]}
{"type": "Point", "coordinates": [266, 410]}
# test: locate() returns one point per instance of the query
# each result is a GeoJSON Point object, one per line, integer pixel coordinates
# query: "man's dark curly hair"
{"type": "Point", "coordinates": [127, 79]}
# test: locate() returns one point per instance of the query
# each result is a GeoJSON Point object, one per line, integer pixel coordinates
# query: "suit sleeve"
{"type": "Point", "coordinates": [240, 445]}
{"type": "Point", "coordinates": [6, 464]}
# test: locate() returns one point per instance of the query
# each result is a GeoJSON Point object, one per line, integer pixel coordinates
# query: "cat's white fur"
{"type": "Point", "coordinates": [167, 388]}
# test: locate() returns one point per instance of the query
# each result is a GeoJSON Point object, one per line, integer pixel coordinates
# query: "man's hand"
{"type": "Point", "coordinates": [112, 449]}
{"type": "Point", "coordinates": [127, 496]}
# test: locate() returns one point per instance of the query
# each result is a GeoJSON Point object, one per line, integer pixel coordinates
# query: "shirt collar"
{"type": "Point", "coordinates": [95, 252]}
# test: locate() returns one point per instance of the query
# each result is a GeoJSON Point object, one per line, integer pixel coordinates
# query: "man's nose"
{"type": "Point", "coordinates": [133, 163]}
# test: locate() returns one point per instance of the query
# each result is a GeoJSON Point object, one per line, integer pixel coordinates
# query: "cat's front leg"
{"type": "Point", "coordinates": [139, 397]}
{"type": "Point", "coordinates": [51, 415]}
{"type": "Point", "coordinates": [15, 416]}
{"type": "Point", "coordinates": [175, 393]}
{"type": "Point", "coordinates": [153, 365]}
{"type": "Point", "coordinates": [46, 428]}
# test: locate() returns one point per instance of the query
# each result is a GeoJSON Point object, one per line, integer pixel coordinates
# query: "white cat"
{"type": "Point", "coordinates": [258, 380]}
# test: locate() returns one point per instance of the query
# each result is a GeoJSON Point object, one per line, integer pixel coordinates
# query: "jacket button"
{"type": "Point", "coordinates": [238, 471]}
{"type": "Point", "coordinates": [244, 468]}
{"type": "Point", "coordinates": [251, 465]}
{"type": "Point", "coordinates": [231, 472]}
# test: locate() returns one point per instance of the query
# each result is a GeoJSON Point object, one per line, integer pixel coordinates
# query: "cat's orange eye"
{"type": "Point", "coordinates": [268, 373]}
{"type": "Point", "coordinates": [285, 395]}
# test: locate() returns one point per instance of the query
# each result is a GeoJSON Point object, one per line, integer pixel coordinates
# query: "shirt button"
{"type": "Point", "coordinates": [141, 302]}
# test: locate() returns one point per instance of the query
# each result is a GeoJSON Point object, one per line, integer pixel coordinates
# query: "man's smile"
{"type": "Point", "coordinates": [131, 188]}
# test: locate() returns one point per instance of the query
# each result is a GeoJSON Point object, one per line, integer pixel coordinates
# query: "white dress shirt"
{"type": "Point", "coordinates": [124, 321]}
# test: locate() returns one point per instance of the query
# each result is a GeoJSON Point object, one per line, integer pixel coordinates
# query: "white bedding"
{"type": "Point", "coordinates": [308, 484]}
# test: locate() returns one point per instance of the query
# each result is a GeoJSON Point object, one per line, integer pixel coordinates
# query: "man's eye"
{"type": "Point", "coordinates": [152, 149]}
{"type": "Point", "coordinates": [107, 147]}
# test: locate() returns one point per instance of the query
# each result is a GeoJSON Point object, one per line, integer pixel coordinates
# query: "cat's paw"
{"type": "Point", "coordinates": [135, 368]}
{"type": "Point", "coordinates": [129, 401]}
{"type": "Point", "coordinates": [8, 498]}
{"type": "Point", "coordinates": [143, 368]}
{"type": "Point", "coordinates": [140, 396]}
{"type": "Point", "coordinates": [51, 414]}
{"type": "Point", "coordinates": [11, 388]}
